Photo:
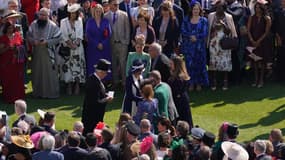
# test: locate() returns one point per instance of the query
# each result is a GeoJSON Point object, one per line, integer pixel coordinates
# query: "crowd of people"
{"type": "Point", "coordinates": [32, 140]}
{"type": "Point", "coordinates": [66, 39]}
{"type": "Point", "coordinates": [155, 51]}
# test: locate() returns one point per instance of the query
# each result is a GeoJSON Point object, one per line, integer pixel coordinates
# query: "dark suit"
{"type": "Point", "coordinates": [278, 26]}
{"type": "Point", "coordinates": [113, 149]}
{"type": "Point", "coordinates": [263, 157]}
{"type": "Point", "coordinates": [161, 63]}
{"type": "Point", "coordinates": [171, 34]}
{"type": "Point", "coordinates": [94, 103]}
{"type": "Point", "coordinates": [73, 153]}
{"type": "Point", "coordinates": [27, 118]}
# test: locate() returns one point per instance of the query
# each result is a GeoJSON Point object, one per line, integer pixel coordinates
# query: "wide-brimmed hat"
{"type": "Point", "coordinates": [261, 2]}
{"type": "Point", "coordinates": [23, 141]}
{"type": "Point", "coordinates": [137, 65]}
{"type": "Point", "coordinates": [103, 65]}
{"type": "Point", "coordinates": [234, 151]}
{"type": "Point", "coordinates": [73, 8]}
{"type": "Point", "coordinates": [12, 14]}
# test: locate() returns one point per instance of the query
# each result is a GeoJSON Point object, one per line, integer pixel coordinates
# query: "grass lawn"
{"type": "Point", "coordinates": [256, 111]}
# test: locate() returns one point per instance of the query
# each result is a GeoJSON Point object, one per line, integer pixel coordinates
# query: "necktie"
{"type": "Point", "coordinates": [114, 17]}
{"type": "Point", "coordinates": [128, 9]}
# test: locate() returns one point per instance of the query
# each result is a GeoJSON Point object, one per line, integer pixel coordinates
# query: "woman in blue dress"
{"type": "Point", "coordinates": [194, 32]}
{"type": "Point", "coordinates": [98, 34]}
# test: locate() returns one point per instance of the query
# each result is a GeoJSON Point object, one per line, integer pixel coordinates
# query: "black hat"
{"type": "Point", "coordinates": [208, 138]}
{"type": "Point", "coordinates": [103, 65]}
{"type": "Point", "coordinates": [232, 130]}
{"type": "Point", "coordinates": [49, 116]}
{"type": "Point", "coordinates": [133, 129]}
{"type": "Point", "coordinates": [137, 65]}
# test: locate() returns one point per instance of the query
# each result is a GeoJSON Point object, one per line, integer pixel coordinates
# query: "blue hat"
{"type": "Point", "coordinates": [197, 133]}
{"type": "Point", "coordinates": [137, 65]}
{"type": "Point", "coordinates": [103, 65]}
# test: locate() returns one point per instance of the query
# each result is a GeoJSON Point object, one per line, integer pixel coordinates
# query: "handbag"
{"type": "Point", "coordinates": [64, 51]}
{"type": "Point", "coordinates": [229, 43]}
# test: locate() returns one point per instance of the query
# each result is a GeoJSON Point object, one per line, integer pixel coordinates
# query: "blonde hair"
{"type": "Point", "coordinates": [93, 9]}
{"type": "Point", "coordinates": [179, 68]}
{"type": "Point", "coordinates": [140, 39]}
{"type": "Point", "coordinates": [167, 6]}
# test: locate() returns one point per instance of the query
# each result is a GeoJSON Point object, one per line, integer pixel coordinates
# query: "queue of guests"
{"type": "Point", "coordinates": [67, 40]}
{"type": "Point", "coordinates": [29, 140]}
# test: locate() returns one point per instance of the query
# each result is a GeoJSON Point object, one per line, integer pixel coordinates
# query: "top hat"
{"type": "Point", "coordinates": [103, 65]}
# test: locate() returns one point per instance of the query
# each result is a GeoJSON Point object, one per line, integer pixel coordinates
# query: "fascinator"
{"type": "Point", "coordinates": [146, 144]}
{"type": "Point", "coordinates": [193, 3]}
{"type": "Point", "coordinates": [93, 4]}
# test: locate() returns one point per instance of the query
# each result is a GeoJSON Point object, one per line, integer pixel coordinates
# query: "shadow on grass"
{"type": "Point", "coordinates": [266, 135]}
{"type": "Point", "coordinates": [273, 117]}
{"type": "Point", "coordinates": [237, 95]}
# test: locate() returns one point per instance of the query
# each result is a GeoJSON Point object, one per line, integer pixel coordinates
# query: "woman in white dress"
{"type": "Point", "coordinates": [73, 68]}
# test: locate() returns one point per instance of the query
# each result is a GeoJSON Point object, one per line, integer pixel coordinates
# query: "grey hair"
{"type": "Point", "coordinates": [13, 2]}
{"type": "Point", "coordinates": [145, 124]}
{"type": "Point", "coordinates": [157, 47]}
{"type": "Point", "coordinates": [155, 74]}
{"type": "Point", "coordinates": [47, 142]}
{"type": "Point", "coordinates": [21, 105]}
{"type": "Point", "coordinates": [260, 146]}
{"type": "Point", "coordinates": [78, 126]}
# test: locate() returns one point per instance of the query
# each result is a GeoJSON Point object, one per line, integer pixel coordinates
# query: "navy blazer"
{"type": "Point", "coordinates": [171, 35]}
{"type": "Point", "coordinates": [130, 96]}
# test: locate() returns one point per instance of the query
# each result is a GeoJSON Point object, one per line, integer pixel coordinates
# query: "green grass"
{"type": "Point", "coordinates": [256, 111]}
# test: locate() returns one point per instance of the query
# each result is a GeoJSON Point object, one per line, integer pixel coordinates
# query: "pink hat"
{"type": "Point", "coordinates": [146, 144]}
{"type": "Point", "coordinates": [35, 137]}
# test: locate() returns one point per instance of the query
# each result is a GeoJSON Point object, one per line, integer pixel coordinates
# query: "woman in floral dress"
{"type": "Point", "coordinates": [220, 24]}
{"type": "Point", "coordinates": [73, 68]}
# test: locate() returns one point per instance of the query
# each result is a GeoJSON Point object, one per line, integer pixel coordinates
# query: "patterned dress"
{"type": "Point", "coordinates": [195, 52]}
{"type": "Point", "coordinates": [73, 68]}
{"type": "Point", "coordinates": [220, 60]}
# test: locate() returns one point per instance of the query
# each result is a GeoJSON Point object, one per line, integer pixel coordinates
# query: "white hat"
{"type": "Point", "coordinates": [11, 13]}
{"type": "Point", "coordinates": [234, 151]}
{"type": "Point", "coordinates": [41, 113]}
{"type": "Point", "coordinates": [73, 8]}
